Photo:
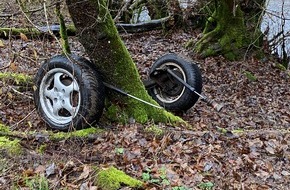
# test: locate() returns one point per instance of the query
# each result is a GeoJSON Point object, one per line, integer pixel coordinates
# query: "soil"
{"type": "Point", "coordinates": [245, 146]}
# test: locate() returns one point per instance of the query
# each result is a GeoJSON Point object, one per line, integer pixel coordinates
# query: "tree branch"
{"type": "Point", "coordinates": [29, 11]}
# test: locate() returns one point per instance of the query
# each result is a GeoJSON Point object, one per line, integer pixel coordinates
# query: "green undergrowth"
{"type": "Point", "coordinates": [79, 133]}
{"type": "Point", "coordinates": [9, 140]}
{"type": "Point", "coordinates": [4, 128]}
{"type": "Point", "coordinates": [10, 146]}
{"type": "Point", "coordinates": [154, 130]}
{"type": "Point", "coordinates": [113, 179]}
{"type": "Point", "coordinates": [37, 182]}
{"type": "Point", "coordinates": [18, 78]}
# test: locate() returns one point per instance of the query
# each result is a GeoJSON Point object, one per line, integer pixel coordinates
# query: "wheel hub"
{"type": "Point", "coordinates": [169, 89]}
{"type": "Point", "coordinates": [60, 96]}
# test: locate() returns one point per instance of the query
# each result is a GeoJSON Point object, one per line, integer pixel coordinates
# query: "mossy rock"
{"type": "Point", "coordinates": [112, 179]}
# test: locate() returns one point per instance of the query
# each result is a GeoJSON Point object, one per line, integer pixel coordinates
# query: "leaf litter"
{"type": "Point", "coordinates": [245, 146]}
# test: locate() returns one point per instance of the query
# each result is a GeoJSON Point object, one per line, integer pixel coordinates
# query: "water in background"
{"type": "Point", "coordinates": [273, 22]}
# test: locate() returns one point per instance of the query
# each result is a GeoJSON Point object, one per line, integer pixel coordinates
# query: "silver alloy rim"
{"type": "Point", "coordinates": [60, 96]}
{"type": "Point", "coordinates": [162, 96]}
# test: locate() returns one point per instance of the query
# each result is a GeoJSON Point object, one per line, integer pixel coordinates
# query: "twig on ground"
{"type": "Point", "coordinates": [21, 93]}
{"type": "Point", "coordinates": [14, 126]}
{"type": "Point", "coordinates": [5, 67]}
{"type": "Point", "coordinates": [16, 135]}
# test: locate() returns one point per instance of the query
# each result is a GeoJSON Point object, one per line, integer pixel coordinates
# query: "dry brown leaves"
{"type": "Point", "coordinates": [256, 156]}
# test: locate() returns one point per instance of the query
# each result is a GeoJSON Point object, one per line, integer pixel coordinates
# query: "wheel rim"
{"type": "Point", "coordinates": [60, 96]}
{"type": "Point", "coordinates": [164, 97]}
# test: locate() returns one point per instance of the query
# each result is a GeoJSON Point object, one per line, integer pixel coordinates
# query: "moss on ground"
{"type": "Point", "coordinates": [18, 78]}
{"type": "Point", "coordinates": [12, 147]}
{"type": "Point", "coordinates": [155, 130]}
{"type": "Point", "coordinates": [79, 133]}
{"type": "Point", "coordinates": [4, 128]}
{"type": "Point", "coordinates": [112, 179]}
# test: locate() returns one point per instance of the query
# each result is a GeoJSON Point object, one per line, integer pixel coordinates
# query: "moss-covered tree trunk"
{"type": "Point", "coordinates": [100, 38]}
{"type": "Point", "coordinates": [226, 31]}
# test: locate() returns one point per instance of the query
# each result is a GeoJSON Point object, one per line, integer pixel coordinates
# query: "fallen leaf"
{"type": "Point", "coordinates": [1, 44]}
{"type": "Point", "coordinates": [35, 54]}
{"type": "Point", "coordinates": [10, 96]}
{"type": "Point", "coordinates": [270, 150]}
{"type": "Point", "coordinates": [23, 37]}
{"type": "Point", "coordinates": [86, 172]}
{"type": "Point", "coordinates": [2, 181]}
{"type": "Point", "coordinates": [285, 173]}
{"type": "Point", "coordinates": [28, 172]}
{"type": "Point", "coordinates": [39, 169]}
{"type": "Point", "coordinates": [13, 66]}
{"type": "Point", "coordinates": [50, 170]}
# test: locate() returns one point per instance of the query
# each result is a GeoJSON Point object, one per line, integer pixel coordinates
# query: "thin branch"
{"type": "Point", "coordinates": [123, 9]}
{"type": "Point", "coordinates": [275, 15]}
{"type": "Point", "coordinates": [29, 11]}
{"type": "Point", "coordinates": [23, 12]}
{"type": "Point", "coordinates": [5, 67]}
{"type": "Point", "coordinates": [21, 93]}
{"type": "Point", "coordinates": [14, 126]}
{"type": "Point", "coordinates": [21, 136]}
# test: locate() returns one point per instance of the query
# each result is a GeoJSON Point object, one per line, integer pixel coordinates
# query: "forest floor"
{"type": "Point", "coordinates": [252, 152]}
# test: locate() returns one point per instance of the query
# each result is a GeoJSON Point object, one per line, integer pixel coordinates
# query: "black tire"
{"type": "Point", "coordinates": [69, 94]}
{"type": "Point", "coordinates": [178, 98]}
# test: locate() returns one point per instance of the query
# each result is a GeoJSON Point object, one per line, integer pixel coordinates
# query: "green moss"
{"type": "Point", "coordinates": [5, 32]}
{"type": "Point", "coordinates": [11, 146]}
{"type": "Point", "coordinates": [238, 131]}
{"type": "Point", "coordinates": [155, 130]}
{"type": "Point", "coordinates": [230, 56]}
{"type": "Point", "coordinates": [4, 128]}
{"type": "Point", "coordinates": [208, 52]}
{"type": "Point", "coordinates": [113, 60]}
{"type": "Point", "coordinates": [189, 43]}
{"type": "Point", "coordinates": [281, 67]}
{"type": "Point", "coordinates": [251, 77]}
{"type": "Point", "coordinates": [19, 78]}
{"type": "Point", "coordinates": [224, 33]}
{"type": "Point", "coordinates": [41, 148]}
{"type": "Point", "coordinates": [37, 182]}
{"type": "Point", "coordinates": [112, 179]}
{"type": "Point", "coordinates": [260, 54]}
{"type": "Point", "coordinates": [114, 113]}
{"type": "Point", "coordinates": [4, 164]}
{"type": "Point", "coordinates": [78, 133]}
{"type": "Point", "coordinates": [63, 31]}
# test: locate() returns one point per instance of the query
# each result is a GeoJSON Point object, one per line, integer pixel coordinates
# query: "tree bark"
{"type": "Point", "coordinates": [226, 31]}
{"type": "Point", "coordinates": [98, 34]}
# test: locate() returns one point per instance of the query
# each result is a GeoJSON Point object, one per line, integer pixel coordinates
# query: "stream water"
{"type": "Point", "coordinates": [277, 19]}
